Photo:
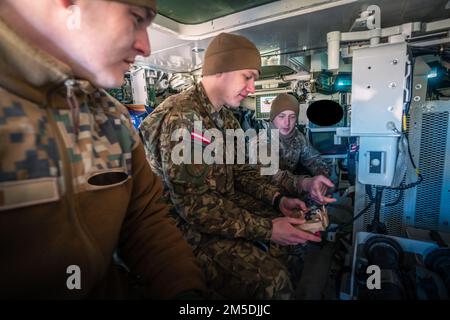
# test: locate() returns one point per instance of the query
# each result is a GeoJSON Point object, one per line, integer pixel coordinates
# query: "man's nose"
{"type": "Point", "coordinates": [251, 86]}
{"type": "Point", "coordinates": [142, 43]}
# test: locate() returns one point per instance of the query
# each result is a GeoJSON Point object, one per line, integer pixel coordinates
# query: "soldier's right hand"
{"type": "Point", "coordinates": [284, 232]}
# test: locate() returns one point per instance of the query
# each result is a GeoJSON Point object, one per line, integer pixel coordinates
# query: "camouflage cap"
{"type": "Point", "coordinates": [282, 103]}
{"type": "Point", "coordinates": [142, 3]}
{"type": "Point", "coordinates": [229, 52]}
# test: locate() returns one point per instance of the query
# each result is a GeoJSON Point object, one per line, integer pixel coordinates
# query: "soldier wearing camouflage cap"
{"type": "Point", "coordinates": [224, 210]}
{"type": "Point", "coordinates": [295, 150]}
{"type": "Point", "coordinates": [76, 192]}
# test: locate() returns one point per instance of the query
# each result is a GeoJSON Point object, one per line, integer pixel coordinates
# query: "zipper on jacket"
{"type": "Point", "coordinates": [88, 275]}
{"type": "Point", "coordinates": [73, 104]}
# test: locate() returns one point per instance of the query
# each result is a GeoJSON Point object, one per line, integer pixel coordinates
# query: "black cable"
{"type": "Point", "coordinates": [419, 175]}
{"type": "Point", "coordinates": [377, 199]}
{"type": "Point", "coordinates": [376, 225]}
{"type": "Point", "coordinates": [359, 214]}
{"type": "Point", "coordinates": [341, 226]}
{"type": "Point", "coordinates": [413, 60]}
{"type": "Point", "coordinates": [372, 198]}
{"type": "Point", "coordinates": [396, 201]}
{"type": "Point", "coordinates": [403, 187]}
{"type": "Point", "coordinates": [369, 192]}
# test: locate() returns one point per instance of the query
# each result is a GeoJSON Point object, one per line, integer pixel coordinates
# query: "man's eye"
{"type": "Point", "coordinates": [137, 18]}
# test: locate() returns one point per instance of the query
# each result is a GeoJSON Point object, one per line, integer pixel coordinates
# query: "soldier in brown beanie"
{"type": "Point", "coordinates": [296, 150]}
{"type": "Point", "coordinates": [238, 224]}
{"type": "Point", "coordinates": [76, 193]}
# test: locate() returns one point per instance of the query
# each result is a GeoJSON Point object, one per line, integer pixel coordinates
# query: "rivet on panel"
{"type": "Point", "coordinates": [392, 85]}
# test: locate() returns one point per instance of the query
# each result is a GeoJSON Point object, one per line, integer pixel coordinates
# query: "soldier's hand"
{"type": "Point", "coordinates": [317, 188]}
{"type": "Point", "coordinates": [284, 232]}
{"type": "Point", "coordinates": [290, 206]}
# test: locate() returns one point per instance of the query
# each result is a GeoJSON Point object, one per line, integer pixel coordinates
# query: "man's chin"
{"type": "Point", "coordinates": [109, 81]}
{"type": "Point", "coordinates": [233, 105]}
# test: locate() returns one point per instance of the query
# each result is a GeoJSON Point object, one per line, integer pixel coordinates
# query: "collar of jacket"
{"type": "Point", "coordinates": [207, 109]}
{"type": "Point", "coordinates": [33, 74]}
{"type": "Point", "coordinates": [287, 139]}
{"type": "Point", "coordinates": [204, 100]}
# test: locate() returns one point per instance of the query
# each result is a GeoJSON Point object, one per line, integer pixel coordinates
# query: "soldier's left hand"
{"type": "Point", "coordinates": [317, 187]}
{"type": "Point", "coordinates": [290, 206]}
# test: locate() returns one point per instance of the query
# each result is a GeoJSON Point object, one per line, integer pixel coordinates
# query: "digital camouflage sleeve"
{"type": "Point", "coordinates": [295, 150]}
{"type": "Point", "coordinates": [201, 192]}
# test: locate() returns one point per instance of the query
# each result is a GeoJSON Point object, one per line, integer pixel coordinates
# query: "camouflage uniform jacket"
{"type": "Point", "coordinates": [201, 192]}
{"type": "Point", "coordinates": [295, 149]}
{"type": "Point", "coordinates": [75, 186]}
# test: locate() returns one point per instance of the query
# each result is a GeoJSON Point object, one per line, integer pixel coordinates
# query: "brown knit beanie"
{"type": "Point", "coordinates": [229, 52]}
{"type": "Point", "coordinates": [282, 103]}
{"type": "Point", "coordinates": [142, 3]}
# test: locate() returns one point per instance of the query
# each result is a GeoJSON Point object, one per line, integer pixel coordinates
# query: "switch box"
{"type": "Point", "coordinates": [377, 158]}
{"type": "Point", "coordinates": [376, 162]}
